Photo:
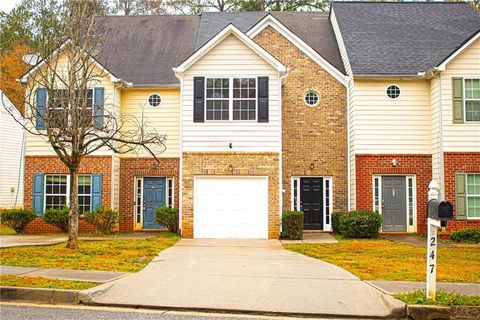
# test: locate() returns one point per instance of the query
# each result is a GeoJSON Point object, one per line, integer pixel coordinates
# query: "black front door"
{"type": "Point", "coordinates": [311, 202]}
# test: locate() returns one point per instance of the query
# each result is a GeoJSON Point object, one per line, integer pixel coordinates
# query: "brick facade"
{"type": "Point", "coordinates": [456, 162]}
{"type": "Point", "coordinates": [219, 164]}
{"type": "Point", "coordinates": [314, 139]}
{"type": "Point", "coordinates": [53, 165]}
{"type": "Point", "coordinates": [143, 167]}
{"type": "Point", "coordinates": [419, 165]}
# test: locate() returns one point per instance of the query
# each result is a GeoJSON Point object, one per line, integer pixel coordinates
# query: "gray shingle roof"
{"type": "Point", "coordinates": [144, 49]}
{"type": "Point", "coordinates": [403, 38]}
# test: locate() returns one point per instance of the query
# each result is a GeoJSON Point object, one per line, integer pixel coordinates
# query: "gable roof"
{"type": "Point", "coordinates": [403, 38]}
{"type": "Point", "coordinates": [230, 30]}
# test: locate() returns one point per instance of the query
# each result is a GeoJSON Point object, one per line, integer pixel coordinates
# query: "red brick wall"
{"type": "Point", "coordinates": [417, 164]}
{"type": "Point", "coordinates": [468, 162]}
{"type": "Point", "coordinates": [140, 167]}
{"type": "Point", "coordinates": [53, 165]}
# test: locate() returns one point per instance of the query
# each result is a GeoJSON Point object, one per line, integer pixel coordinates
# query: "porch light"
{"type": "Point", "coordinates": [394, 162]}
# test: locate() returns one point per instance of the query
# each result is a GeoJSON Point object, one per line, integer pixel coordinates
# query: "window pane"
{"type": "Point", "coordinates": [476, 88]}
{"type": "Point", "coordinates": [472, 109]}
{"type": "Point", "coordinates": [473, 207]}
{"type": "Point", "coordinates": [473, 184]}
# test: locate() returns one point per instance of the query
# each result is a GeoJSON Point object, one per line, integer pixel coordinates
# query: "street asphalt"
{"type": "Point", "coordinates": [35, 312]}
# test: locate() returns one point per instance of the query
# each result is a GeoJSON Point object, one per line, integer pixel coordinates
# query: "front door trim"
{"type": "Point", "coordinates": [327, 205]}
{"type": "Point", "coordinates": [376, 203]}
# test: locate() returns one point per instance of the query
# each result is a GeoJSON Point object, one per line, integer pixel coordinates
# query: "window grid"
{"type": "Point", "coordinates": [393, 92]}
{"type": "Point", "coordinates": [312, 98]}
{"type": "Point", "coordinates": [84, 194]}
{"type": "Point", "coordinates": [472, 99]}
{"type": "Point", "coordinates": [55, 192]}
{"type": "Point", "coordinates": [410, 201]}
{"type": "Point", "coordinates": [376, 195]}
{"type": "Point", "coordinates": [138, 204]}
{"type": "Point", "coordinates": [327, 201]}
{"type": "Point", "coordinates": [244, 98]}
{"type": "Point", "coordinates": [473, 195]}
{"type": "Point", "coordinates": [58, 105]}
{"type": "Point", "coordinates": [170, 192]}
{"type": "Point", "coordinates": [154, 100]}
{"type": "Point", "coordinates": [295, 194]}
{"type": "Point", "coordinates": [218, 99]}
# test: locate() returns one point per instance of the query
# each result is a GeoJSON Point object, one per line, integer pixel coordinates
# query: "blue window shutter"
{"type": "Point", "coordinates": [98, 107]}
{"type": "Point", "coordinates": [96, 191]}
{"type": "Point", "coordinates": [38, 193]}
{"type": "Point", "coordinates": [41, 108]}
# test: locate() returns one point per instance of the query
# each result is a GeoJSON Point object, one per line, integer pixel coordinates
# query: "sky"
{"type": "Point", "coordinates": [7, 5]}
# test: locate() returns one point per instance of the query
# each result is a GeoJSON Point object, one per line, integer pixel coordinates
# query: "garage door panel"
{"type": "Point", "coordinates": [231, 207]}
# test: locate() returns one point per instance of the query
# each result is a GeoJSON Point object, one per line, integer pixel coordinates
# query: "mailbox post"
{"type": "Point", "coordinates": [439, 212]}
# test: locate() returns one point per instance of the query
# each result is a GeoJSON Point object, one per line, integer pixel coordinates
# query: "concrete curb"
{"type": "Point", "coordinates": [40, 295]}
{"type": "Point", "coordinates": [417, 312]}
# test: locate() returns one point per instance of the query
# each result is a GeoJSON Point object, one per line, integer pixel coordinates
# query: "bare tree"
{"type": "Point", "coordinates": [60, 105]}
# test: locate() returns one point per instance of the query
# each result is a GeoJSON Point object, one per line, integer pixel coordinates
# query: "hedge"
{"type": "Point", "coordinates": [360, 224]}
{"type": "Point", "coordinates": [17, 219]}
{"type": "Point", "coordinates": [57, 217]}
{"type": "Point", "coordinates": [466, 235]}
{"type": "Point", "coordinates": [167, 217]}
{"type": "Point", "coordinates": [103, 218]}
{"type": "Point", "coordinates": [336, 221]}
{"type": "Point", "coordinates": [292, 225]}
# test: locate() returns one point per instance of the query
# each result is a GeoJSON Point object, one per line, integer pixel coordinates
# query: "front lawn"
{"type": "Point", "coordinates": [380, 259]}
{"type": "Point", "coordinates": [130, 255]}
{"type": "Point", "coordinates": [442, 298]}
{"type": "Point", "coordinates": [4, 230]}
{"type": "Point", "coordinates": [38, 282]}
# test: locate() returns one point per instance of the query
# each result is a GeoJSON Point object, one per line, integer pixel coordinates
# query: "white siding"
{"type": "Point", "coordinates": [435, 128]}
{"type": "Point", "coordinates": [460, 137]}
{"type": "Point", "coordinates": [231, 57]}
{"type": "Point", "coordinates": [11, 156]}
{"type": "Point", "coordinates": [382, 125]}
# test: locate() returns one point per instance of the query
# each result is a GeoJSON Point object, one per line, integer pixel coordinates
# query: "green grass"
{"type": "Point", "coordinates": [108, 255]}
{"type": "Point", "coordinates": [4, 230]}
{"type": "Point", "coordinates": [38, 282]}
{"type": "Point", "coordinates": [443, 298]}
{"type": "Point", "coordinates": [381, 259]}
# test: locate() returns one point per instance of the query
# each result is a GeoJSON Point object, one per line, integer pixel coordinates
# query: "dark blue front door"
{"type": "Point", "coordinates": [153, 197]}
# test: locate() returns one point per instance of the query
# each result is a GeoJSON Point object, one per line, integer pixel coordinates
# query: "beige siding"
{"type": "Point", "coordinates": [435, 127]}
{"type": "Point", "coordinates": [231, 57]}
{"type": "Point", "coordinates": [383, 125]}
{"type": "Point", "coordinates": [11, 156]}
{"type": "Point", "coordinates": [164, 118]}
{"type": "Point", "coordinates": [38, 145]}
{"type": "Point", "coordinates": [460, 137]}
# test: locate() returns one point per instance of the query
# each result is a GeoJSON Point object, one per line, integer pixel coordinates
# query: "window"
{"type": "Point", "coordinates": [84, 194]}
{"type": "Point", "coordinates": [55, 192]}
{"type": "Point", "coordinates": [472, 99]}
{"type": "Point", "coordinates": [473, 195]}
{"type": "Point", "coordinates": [327, 201]}
{"type": "Point", "coordinates": [411, 200]}
{"type": "Point", "coordinates": [138, 202]}
{"type": "Point", "coordinates": [295, 195]}
{"type": "Point", "coordinates": [170, 192]}
{"type": "Point", "coordinates": [231, 99]}
{"type": "Point", "coordinates": [376, 195]}
{"type": "Point", "coordinates": [58, 106]}
{"type": "Point", "coordinates": [154, 100]}
{"type": "Point", "coordinates": [311, 98]}
{"type": "Point", "coordinates": [393, 91]}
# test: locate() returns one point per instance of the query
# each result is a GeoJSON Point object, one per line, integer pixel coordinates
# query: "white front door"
{"type": "Point", "coordinates": [231, 207]}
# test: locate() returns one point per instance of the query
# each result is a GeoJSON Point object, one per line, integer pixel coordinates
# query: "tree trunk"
{"type": "Point", "coordinates": [73, 216]}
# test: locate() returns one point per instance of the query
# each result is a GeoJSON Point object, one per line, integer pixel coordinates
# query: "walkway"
{"type": "Point", "coordinates": [62, 274]}
{"type": "Point", "coordinates": [392, 287]}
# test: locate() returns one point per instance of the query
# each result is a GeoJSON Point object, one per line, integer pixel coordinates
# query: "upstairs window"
{"type": "Point", "coordinates": [393, 92]}
{"type": "Point", "coordinates": [472, 99]}
{"type": "Point", "coordinates": [231, 99]}
{"type": "Point", "coordinates": [58, 106]}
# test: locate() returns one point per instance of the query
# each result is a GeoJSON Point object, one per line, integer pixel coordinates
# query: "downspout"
{"type": "Point", "coordinates": [349, 171]}
{"type": "Point", "coordinates": [280, 161]}
{"type": "Point", "coordinates": [180, 174]}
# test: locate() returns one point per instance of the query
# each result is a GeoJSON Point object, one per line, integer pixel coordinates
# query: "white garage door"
{"type": "Point", "coordinates": [231, 207]}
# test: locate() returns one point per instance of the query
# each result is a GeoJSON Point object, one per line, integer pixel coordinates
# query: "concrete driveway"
{"type": "Point", "coordinates": [247, 275]}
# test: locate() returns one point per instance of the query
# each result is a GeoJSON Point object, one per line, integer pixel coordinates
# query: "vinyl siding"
{"type": "Point", "coordinates": [231, 57]}
{"type": "Point", "coordinates": [11, 157]}
{"type": "Point", "coordinates": [460, 137]}
{"type": "Point", "coordinates": [39, 145]}
{"type": "Point", "coordinates": [435, 127]}
{"type": "Point", "coordinates": [164, 118]}
{"type": "Point", "coordinates": [382, 125]}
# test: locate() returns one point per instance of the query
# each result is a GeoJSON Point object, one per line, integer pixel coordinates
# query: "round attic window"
{"type": "Point", "coordinates": [311, 98]}
{"type": "Point", "coordinates": [154, 100]}
{"type": "Point", "coordinates": [393, 91]}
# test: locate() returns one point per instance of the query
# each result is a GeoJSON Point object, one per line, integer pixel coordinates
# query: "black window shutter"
{"type": "Point", "coordinates": [198, 99]}
{"type": "Point", "coordinates": [262, 99]}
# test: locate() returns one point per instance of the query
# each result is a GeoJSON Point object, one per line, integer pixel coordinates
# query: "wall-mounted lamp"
{"type": "Point", "coordinates": [230, 145]}
{"type": "Point", "coordinates": [230, 168]}
{"type": "Point", "coordinates": [312, 165]}
{"type": "Point", "coordinates": [394, 162]}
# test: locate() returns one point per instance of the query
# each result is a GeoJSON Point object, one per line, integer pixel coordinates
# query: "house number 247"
{"type": "Point", "coordinates": [433, 243]}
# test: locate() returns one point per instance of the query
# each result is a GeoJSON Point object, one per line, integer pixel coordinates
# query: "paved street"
{"type": "Point", "coordinates": [33, 312]}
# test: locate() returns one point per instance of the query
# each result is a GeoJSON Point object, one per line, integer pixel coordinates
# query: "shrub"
{"type": "Point", "coordinates": [292, 225]}
{"type": "Point", "coordinates": [360, 224]}
{"type": "Point", "coordinates": [167, 217]}
{"type": "Point", "coordinates": [103, 218]}
{"type": "Point", "coordinates": [17, 219]}
{"type": "Point", "coordinates": [466, 235]}
{"type": "Point", "coordinates": [336, 221]}
{"type": "Point", "coordinates": [57, 217]}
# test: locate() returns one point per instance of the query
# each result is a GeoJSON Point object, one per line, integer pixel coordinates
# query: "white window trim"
{"type": "Point", "coordinates": [230, 99]}
{"type": "Point", "coordinates": [93, 100]}
{"type": "Point", "coordinates": [136, 179]}
{"type": "Point", "coordinates": [414, 198]}
{"type": "Point", "coordinates": [399, 88]}
{"type": "Point", "coordinates": [67, 200]}
{"type": "Point", "coordinates": [464, 95]}
{"type": "Point", "coordinates": [148, 100]}
{"type": "Point", "coordinates": [305, 98]}
{"type": "Point", "coordinates": [326, 227]}
{"type": "Point", "coordinates": [469, 195]}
